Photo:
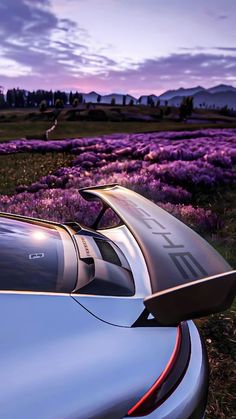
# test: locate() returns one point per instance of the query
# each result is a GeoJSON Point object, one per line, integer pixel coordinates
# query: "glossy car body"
{"type": "Point", "coordinates": [78, 338]}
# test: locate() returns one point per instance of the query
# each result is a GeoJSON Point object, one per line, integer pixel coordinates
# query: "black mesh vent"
{"type": "Point", "coordinates": [107, 252]}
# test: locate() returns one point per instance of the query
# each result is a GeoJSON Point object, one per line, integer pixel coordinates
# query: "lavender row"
{"type": "Point", "coordinates": [65, 205]}
{"type": "Point", "coordinates": [169, 168]}
{"type": "Point", "coordinates": [174, 181]}
{"type": "Point", "coordinates": [214, 146]}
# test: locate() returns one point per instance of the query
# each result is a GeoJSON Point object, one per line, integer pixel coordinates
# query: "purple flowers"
{"type": "Point", "coordinates": [168, 167]}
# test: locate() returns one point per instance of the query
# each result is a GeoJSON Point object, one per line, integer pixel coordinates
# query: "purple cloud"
{"type": "Point", "coordinates": [56, 56]}
{"type": "Point", "coordinates": [34, 37]}
{"type": "Point", "coordinates": [222, 17]}
{"type": "Point", "coordinates": [152, 75]}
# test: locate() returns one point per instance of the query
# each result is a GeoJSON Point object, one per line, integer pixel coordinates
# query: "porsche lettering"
{"type": "Point", "coordinates": [184, 261]}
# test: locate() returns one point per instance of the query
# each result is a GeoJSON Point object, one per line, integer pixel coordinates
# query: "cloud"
{"type": "Point", "coordinates": [222, 17]}
{"type": "Point", "coordinates": [176, 70]}
{"type": "Point", "coordinates": [231, 49]}
{"type": "Point", "coordinates": [39, 50]}
{"type": "Point", "coordinates": [213, 14]}
{"type": "Point", "coordinates": [201, 65]}
{"type": "Point", "coordinates": [33, 37]}
{"type": "Point", "coordinates": [197, 49]}
{"type": "Point", "coordinates": [149, 76]}
{"type": "Point", "coordinates": [24, 19]}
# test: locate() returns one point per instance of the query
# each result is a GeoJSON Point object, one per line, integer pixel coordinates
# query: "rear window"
{"type": "Point", "coordinates": [36, 257]}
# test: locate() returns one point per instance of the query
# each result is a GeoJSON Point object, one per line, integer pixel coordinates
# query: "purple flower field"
{"type": "Point", "coordinates": [171, 168]}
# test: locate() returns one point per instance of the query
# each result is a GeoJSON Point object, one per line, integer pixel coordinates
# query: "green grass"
{"type": "Point", "coordinates": [20, 123]}
{"type": "Point", "coordinates": [16, 130]}
{"type": "Point", "coordinates": [219, 329]}
{"type": "Point", "coordinates": [219, 334]}
{"type": "Point", "coordinates": [75, 129]}
{"type": "Point", "coordinates": [26, 168]}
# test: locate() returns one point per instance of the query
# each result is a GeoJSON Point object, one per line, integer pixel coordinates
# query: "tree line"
{"type": "Point", "coordinates": [20, 98]}
{"type": "Point", "coordinates": [44, 99]}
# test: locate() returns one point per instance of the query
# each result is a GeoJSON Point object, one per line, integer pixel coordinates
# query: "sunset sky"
{"type": "Point", "coordinates": [123, 46]}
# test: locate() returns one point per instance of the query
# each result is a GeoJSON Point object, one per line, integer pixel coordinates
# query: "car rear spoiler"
{"type": "Point", "coordinates": [173, 252]}
{"type": "Point", "coordinates": [179, 261]}
{"type": "Point", "coordinates": [193, 300]}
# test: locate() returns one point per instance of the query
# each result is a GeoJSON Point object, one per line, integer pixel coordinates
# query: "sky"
{"type": "Point", "coordinates": [122, 46]}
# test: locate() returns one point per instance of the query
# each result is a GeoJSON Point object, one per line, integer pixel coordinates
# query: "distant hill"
{"type": "Point", "coordinates": [118, 99]}
{"type": "Point", "coordinates": [180, 92]}
{"type": "Point", "coordinates": [222, 88]}
{"type": "Point", "coordinates": [205, 99]}
{"type": "Point", "coordinates": [143, 100]}
{"type": "Point", "coordinates": [92, 97]}
{"type": "Point", "coordinates": [215, 100]}
{"type": "Point", "coordinates": [214, 97]}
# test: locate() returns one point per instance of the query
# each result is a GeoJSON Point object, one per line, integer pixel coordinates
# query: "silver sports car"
{"type": "Point", "coordinates": [96, 323]}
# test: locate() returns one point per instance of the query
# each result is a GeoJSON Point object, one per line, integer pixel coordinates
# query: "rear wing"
{"type": "Point", "coordinates": [189, 279]}
{"type": "Point", "coordinates": [174, 253]}
{"type": "Point", "coordinates": [193, 300]}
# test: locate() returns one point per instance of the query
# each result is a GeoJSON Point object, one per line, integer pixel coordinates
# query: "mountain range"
{"type": "Point", "coordinates": [214, 97]}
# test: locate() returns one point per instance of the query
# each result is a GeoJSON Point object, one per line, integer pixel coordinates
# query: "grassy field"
{"type": "Point", "coordinates": [218, 330]}
{"type": "Point", "coordinates": [30, 123]}
{"type": "Point", "coordinates": [15, 169]}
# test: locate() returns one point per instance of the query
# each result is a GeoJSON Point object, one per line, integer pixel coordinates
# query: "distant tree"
{"type": "Point", "coordinates": [2, 100]}
{"type": "Point", "coordinates": [166, 102]}
{"type": "Point", "coordinates": [31, 99]}
{"type": "Point", "coordinates": [62, 96]}
{"type": "Point", "coordinates": [167, 110]}
{"type": "Point", "coordinates": [75, 102]}
{"type": "Point", "coordinates": [225, 111]}
{"type": "Point", "coordinates": [158, 103]}
{"type": "Point", "coordinates": [71, 98]}
{"type": "Point", "coordinates": [131, 102]}
{"type": "Point", "coordinates": [90, 105]}
{"type": "Point", "coordinates": [186, 107]}
{"type": "Point", "coordinates": [79, 96]}
{"type": "Point", "coordinates": [50, 98]}
{"type": "Point", "coordinates": [124, 100]}
{"type": "Point", "coordinates": [43, 106]}
{"type": "Point", "coordinates": [59, 104]}
{"type": "Point", "coordinates": [10, 98]}
{"type": "Point", "coordinates": [99, 98]}
{"type": "Point", "coordinates": [34, 99]}
{"type": "Point", "coordinates": [41, 95]}
{"type": "Point", "coordinates": [150, 101]}
{"type": "Point", "coordinates": [113, 101]}
{"type": "Point", "coordinates": [20, 98]}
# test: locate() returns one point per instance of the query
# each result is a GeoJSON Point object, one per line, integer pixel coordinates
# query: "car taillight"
{"type": "Point", "coordinates": [169, 378]}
